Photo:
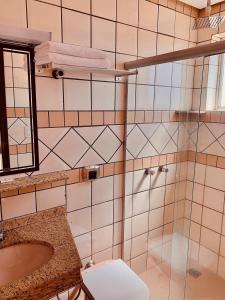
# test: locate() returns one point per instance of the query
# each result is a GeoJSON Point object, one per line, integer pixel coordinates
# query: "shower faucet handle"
{"type": "Point", "coordinates": [163, 169]}
{"type": "Point", "coordinates": [149, 171]}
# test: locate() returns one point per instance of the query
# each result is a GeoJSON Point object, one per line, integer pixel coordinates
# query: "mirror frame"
{"type": "Point", "coordinates": [3, 111]}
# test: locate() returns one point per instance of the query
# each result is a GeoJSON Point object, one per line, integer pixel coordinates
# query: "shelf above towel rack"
{"type": "Point", "coordinates": [23, 35]}
{"type": "Point", "coordinates": [61, 71]}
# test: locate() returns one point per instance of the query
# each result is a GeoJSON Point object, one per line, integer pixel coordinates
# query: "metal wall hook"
{"type": "Point", "coordinates": [163, 169]}
{"type": "Point", "coordinates": [149, 171]}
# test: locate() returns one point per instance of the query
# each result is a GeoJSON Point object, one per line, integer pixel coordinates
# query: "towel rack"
{"type": "Point", "coordinates": [61, 71]}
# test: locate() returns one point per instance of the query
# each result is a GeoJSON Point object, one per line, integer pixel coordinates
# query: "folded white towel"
{"type": "Point", "coordinates": [69, 49]}
{"type": "Point", "coordinates": [60, 59]}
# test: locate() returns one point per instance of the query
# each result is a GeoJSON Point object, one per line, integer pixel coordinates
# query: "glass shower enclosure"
{"type": "Point", "coordinates": [169, 133]}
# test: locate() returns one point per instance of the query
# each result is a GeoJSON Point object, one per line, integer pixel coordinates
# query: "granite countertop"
{"type": "Point", "coordinates": [27, 181]}
{"type": "Point", "coordinates": [61, 272]}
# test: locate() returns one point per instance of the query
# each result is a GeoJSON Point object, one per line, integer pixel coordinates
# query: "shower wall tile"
{"type": "Point", "coordinates": [166, 20]}
{"type": "Point", "coordinates": [147, 8]}
{"type": "Point", "coordinates": [127, 12]}
{"type": "Point", "coordinates": [126, 39]}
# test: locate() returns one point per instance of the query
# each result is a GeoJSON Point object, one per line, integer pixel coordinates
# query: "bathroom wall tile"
{"type": "Point", "coordinates": [195, 231]}
{"type": "Point", "coordinates": [104, 9]}
{"type": "Point", "coordinates": [162, 98]}
{"type": "Point", "coordinates": [17, 206]}
{"type": "Point", "coordinates": [139, 264]}
{"type": "Point", "coordinates": [170, 193]}
{"type": "Point", "coordinates": [146, 75]}
{"type": "Point", "coordinates": [99, 99]}
{"type": "Point", "coordinates": [79, 5]}
{"type": "Point", "coordinates": [103, 34]}
{"type": "Point", "coordinates": [157, 197]}
{"type": "Point", "coordinates": [198, 193]}
{"type": "Point", "coordinates": [102, 190]}
{"type": "Point", "coordinates": [141, 181]}
{"type": "Point", "coordinates": [166, 20]}
{"type": "Point", "coordinates": [200, 173]}
{"type": "Point", "coordinates": [158, 179]}
{"type": "Point", "coordinates": [117, 233]}
{"type": "Point", "coordinates": [76, 28]}
{"type": "Point", "coordinates": [164, 44]}
{"type": "Point", "coordinates": [140, 202]}
{"type": "Point", "coordinates": [208, 259]}
{"type": "Point", "coordinates": [164, 74]}
{"type": "Point", "coordinates": [172, 174]}
{"type": "Point", "coordinates": [126, 39]}
{"type": "Point", "coordinates": [83, 243]}
{"type": "Point", "coordinates": [139, 245]}
{"type": "Point", "coordinates": [118, 210]}
{"type": "Point", "coordinates": [182, 26]}
{"type": "Point", "coordinates": [215, 178]}
{"type": "Point", "coordinates": [169, 213]}
{"type": "Point", "coordinates": [102, 215]}
{"type": "Point", "coordinates": [127, 12]}
{"type": "Point", "coordinates": [50, 198]}
{"type": "Point", "coordinates": [117, 250]}
{"type": "Point", "coordinates": [146, 43]}
{"type": "Point", "coordinates": [102, 238]}
{"type": "Point", "coordinates": [42, 16]}
{"type": "Point", "coordinates": [103, 256]}
{"type": "Point", "coordinates": [78, 196]}
{"type": "Point", "coordinates": [49, 98]}
{"type": "Point", "coordinates": [145, 9]}
{"type": "Point", "coordinates": [214, 199]}
{"type": "Point", "coordinates": [65, 148]}
{"type": "Point", "coordinates": [139, 224]}
{"type": "Point", "coordinates": [127, 229]}
{"type": "Point", "coordinates": [210, 239]}
{"type": "Point", "coordinates": [196, 213]}
{"type": "Point", "coordinates": [144, 97]}
{"type": "Point", "coordinates": [212, 219]}
{"type": "Point", "coordinates": [221, 267]}
{"type": "Point", "coordinates": [13, 13]}
{"type": "Point", "coordinates": [77, 95]}
{"type": "Point", "coordinates": [118, 186]}
{"type": "Point", "coordinates": [80, 221]}
{"type": "Point", "coordinates": [156, 218]}
{"type": "Point", "coordinates": [222, 246]}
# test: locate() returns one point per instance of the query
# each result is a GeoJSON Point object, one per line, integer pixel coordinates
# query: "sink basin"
{"type": "Point", "coordinates": [20, 260]}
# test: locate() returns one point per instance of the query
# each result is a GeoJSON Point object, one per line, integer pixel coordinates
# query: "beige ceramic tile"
{"type": "Point", "coordinates": [76, 28]}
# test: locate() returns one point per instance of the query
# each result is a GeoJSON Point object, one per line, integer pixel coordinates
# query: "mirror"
{"type": "Point", "coordinates": [18, 122]}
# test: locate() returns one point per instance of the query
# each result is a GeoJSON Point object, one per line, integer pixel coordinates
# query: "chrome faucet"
{"type": "Point", "coordinates": [1, 231]}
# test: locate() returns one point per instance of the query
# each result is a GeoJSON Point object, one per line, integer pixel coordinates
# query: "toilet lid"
{"type": "Point", "coordinates": [114, 280]}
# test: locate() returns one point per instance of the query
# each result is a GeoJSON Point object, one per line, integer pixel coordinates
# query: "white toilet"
{"type": "Point", "coordinates": [114, 280]}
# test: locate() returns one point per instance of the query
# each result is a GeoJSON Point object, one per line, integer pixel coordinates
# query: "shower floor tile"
{"type": "Point", "coordinates": [207, 286]}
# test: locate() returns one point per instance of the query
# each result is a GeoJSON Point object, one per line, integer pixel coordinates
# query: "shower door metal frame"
{"type": "Point", "coordinates": [194, 52]}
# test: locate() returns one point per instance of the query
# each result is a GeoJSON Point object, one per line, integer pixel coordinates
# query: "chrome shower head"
{"type": "Point", "coordinates": [208, 21]}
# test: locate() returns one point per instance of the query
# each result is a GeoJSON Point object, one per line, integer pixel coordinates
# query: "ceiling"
{"type": "Point", "coordinates": [200, 3]}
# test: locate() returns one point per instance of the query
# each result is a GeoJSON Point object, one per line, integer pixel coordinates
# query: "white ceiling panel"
{"type": "Point", "coordinates": [200, 3]}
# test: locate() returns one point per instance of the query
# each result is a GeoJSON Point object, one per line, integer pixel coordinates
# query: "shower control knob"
{"type": "Point", "coordinates": [163, 169]}
{"type": "Point", "coordinates": [149, 171]}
